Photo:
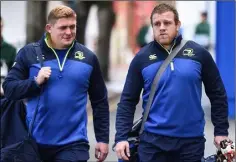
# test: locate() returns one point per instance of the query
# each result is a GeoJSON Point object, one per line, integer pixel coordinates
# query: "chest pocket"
{"type": "Point", "coordinates": [187, 69]}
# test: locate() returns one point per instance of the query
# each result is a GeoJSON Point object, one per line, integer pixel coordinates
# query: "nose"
{"type": "Point", "coordinates": [68, 31]}
{"type": "Point", "coordinates": [162, 27]}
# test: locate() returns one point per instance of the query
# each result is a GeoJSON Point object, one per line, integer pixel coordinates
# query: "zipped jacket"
{"type": "Point", "coordinates": [176, 110]}
{"type": "Point", "coordinates": [62, 115]}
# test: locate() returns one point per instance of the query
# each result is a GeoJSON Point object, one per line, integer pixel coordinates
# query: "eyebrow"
{"type": "Point", "coordinates": [63, 26]}
{"type": "Point", "coordinates": [164, 21]}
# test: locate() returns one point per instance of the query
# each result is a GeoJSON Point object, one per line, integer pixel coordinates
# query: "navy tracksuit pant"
{"type": "Point", "coordinates": [73, 152]}
{"type": "Point", "coordinates": [158, 148]}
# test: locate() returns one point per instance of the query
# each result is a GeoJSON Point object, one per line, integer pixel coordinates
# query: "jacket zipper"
{"type": "Point", "coordinates": [171, 63]}
{"type": "Point", "coordinates": [64, 60]}
{"type": "Point", "coordinates": [172, 66]}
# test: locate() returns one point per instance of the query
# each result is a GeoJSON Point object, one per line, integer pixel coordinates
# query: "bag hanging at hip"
{"type": "Point", "coordinates": [24, 148]}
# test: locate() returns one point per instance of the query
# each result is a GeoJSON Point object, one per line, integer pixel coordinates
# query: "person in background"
{"type": "Point", "coordinates": [8, 54]}
{"type": "Point", "coordinates": [202, 32]}
{"type": "Point", "coordinates": [70, 72]}
{"type": "Point", "coordinates": [142, 38]}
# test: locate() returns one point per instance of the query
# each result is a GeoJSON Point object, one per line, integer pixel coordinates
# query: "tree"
{"type": "Point", "coordinates": [106, 19]}
{"type": "Point", "coordinates": [36, 20]}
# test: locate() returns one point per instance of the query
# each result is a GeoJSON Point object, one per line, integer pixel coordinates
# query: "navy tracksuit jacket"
{"type": "Point", "coordinates": [62, 115]}
{"type": "Point", "coordinates": [176, 110]}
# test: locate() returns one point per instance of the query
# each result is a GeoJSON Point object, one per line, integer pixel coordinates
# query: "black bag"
{"type": "Point", "coordinates": [212, 158]}
{"type": "Point", "coordinates": [138, 126]}
{"type": "Point", "coordinates": [133, 139]}
{"type": "Point", "coordinates": [13, 117]}
{"type": "Point", "coordinates": [23, 151]}
{"type": "Point", "coordinates": [17, 144]}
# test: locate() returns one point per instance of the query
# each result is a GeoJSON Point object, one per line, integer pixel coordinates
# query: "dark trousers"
{"type": "Point", "coordinates": [74, 152]}
{"type": "Point", "coordinates": [157, 148]}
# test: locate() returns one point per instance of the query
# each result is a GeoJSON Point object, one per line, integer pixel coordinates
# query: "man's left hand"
{"type": "Point", "coordinates": [218, 139]}
{"type": "Point", "coordinates": [101, 151]}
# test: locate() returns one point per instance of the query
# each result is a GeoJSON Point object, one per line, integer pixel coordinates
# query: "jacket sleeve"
{"type": "Point", "coordinates": [215, 90]}
{"type": "Point", "coordinates": [99, 101]}
{"type": "Point", "coordinates": [17, 84]}
{"type": "Point", "coordinates": [129, 99]}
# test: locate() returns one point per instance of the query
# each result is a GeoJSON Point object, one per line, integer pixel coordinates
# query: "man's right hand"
{"type": "Point", "coordinates": [43, 75]}
{"type": "Point", "coordinates": [121, 148]}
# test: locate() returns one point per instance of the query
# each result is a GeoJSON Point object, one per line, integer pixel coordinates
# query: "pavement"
{"type": "Point", "coordinates": [115, 87]}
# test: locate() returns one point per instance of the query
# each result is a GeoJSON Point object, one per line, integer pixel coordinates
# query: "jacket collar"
{"type": "Point", "coordinates": [45, 46]}
{"type": "Point", "coordinates": [176, 41]}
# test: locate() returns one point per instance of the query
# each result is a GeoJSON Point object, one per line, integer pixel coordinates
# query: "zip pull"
{"type": "Point", "coordinates": [172, 66]}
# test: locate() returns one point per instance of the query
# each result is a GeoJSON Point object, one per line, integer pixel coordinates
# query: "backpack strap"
{"type": "Point", "coordinates": [156, 81]}
{"type": "Point", "coordinates": [38, 51]}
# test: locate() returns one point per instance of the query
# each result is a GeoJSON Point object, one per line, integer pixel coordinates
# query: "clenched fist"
{"type": "Point", "coordinates": [43, 75]}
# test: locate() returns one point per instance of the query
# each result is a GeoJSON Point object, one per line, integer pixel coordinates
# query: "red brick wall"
{"type": "Point", "coordinates": [131, 12]}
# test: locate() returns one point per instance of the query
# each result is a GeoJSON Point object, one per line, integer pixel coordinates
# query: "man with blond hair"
{"type": "Point", "coordinates": [70, 71]}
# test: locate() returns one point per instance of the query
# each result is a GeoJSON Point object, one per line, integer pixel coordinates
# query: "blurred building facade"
{"type": "Point", "coordinates": [129, 20]}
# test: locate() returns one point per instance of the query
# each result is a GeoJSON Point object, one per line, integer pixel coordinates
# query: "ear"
{"type": "Point", "coordinates": [178, 25]}
{"type": "Point", "coordinates": [48, 28]}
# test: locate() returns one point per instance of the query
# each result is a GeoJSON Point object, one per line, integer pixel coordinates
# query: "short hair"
{"type": "Point", "coordinates": [204, 14]}
{"type": "Point", "coordinates": [60, 11]}
{"type": "Point", "coordinates": [164, 7]}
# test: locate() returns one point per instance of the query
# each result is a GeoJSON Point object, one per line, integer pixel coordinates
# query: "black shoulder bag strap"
{"type": "Point", "coordinates": [38, 52]}
{"type": "Point", "coordinates": [156, 80]}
